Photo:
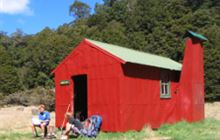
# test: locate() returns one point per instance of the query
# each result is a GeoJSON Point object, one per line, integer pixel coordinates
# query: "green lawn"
{"type": "Point", "coordinates": [208, 129]}
{"type": "Point", "coordinates": [15, 136]}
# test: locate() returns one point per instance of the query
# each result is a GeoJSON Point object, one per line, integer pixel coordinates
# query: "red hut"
{"type": "Point", "coordinates": [129, 88]}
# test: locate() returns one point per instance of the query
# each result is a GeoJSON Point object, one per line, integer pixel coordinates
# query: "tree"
{"type": "Point", "coordinates": [18, 38]}
{"type": "Point", "coordinates": [9, 80]}
{"type": "Point", "coordinates": [79, 10]}
{"type": "Point", "coordinates": [5, 58]}
{"type": "Point", "coordinates": [109, 2]}
{"type": "Point", "coordinates": [4, 40]}
{"type": "Point", "coordinates": [154, 26]}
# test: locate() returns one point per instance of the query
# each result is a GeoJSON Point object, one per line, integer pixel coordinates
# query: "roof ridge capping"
{"type": "Point", "coordinates": [138, 57]}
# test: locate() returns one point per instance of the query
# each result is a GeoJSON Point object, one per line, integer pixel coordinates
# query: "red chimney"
{"type": "Point", "coordinates": [191, 89]}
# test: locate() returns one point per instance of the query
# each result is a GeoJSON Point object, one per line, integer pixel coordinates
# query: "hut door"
{"type": "Point", "coordinates": [80, 96]}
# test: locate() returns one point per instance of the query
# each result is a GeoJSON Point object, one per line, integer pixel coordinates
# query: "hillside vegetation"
{"type": "Point", "coordinates": [155, 26]}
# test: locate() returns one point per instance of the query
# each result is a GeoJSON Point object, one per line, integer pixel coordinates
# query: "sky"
{"type": "Point", "coordinates": [32, 16]}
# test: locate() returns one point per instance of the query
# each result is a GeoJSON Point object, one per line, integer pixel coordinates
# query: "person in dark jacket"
{"type": "Point", "coordinates": [73, 124]}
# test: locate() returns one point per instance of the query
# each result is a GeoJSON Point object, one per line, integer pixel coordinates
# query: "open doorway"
{"type": "Point", "coordinates": [80, 96]}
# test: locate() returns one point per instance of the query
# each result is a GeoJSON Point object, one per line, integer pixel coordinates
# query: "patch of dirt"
{"type": "Point", "coordinates": [212, 110]}
{"type": "Point", "coordinates": [18, 118]}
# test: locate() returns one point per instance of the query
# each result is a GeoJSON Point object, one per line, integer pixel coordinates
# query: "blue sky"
{"type": "Point", "coordinates": [31, 16]}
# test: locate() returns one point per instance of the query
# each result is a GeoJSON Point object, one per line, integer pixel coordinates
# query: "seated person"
{"type": "Point", "coordinates": [87, 124]}
{"type": "Point", "coordinates": [89, 128]}
{"type": "Point", "coordinates": [73, 124]}
{"type": "Point", "coordinates": [42, 121]}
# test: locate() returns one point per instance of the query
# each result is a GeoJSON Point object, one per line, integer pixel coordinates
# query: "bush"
{"type": "Point", "coordinates": [18, 98]}
{"type": "Point", "coordinates": [31, 97]}
{"type": "Point", "coordinates": [9, 81]}
{"type": "Point", "coordinates": [1, 97]}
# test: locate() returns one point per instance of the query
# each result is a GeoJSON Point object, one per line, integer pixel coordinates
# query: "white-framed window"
{"type": "Point", "coordinates": [165, 85]}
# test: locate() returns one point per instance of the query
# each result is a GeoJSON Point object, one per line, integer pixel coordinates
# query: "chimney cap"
{"type": "Point", "coordinates": [196, 35]}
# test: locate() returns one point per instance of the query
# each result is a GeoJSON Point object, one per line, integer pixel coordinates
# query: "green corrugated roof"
{"type": "Point", "coordinates": [138, 57]}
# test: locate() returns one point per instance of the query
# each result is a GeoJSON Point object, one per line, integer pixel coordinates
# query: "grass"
{"type": "Point", "coordinates": [124, 136]}
{"type": "Point", "coordinates": [208, 129]}
{"type": "Point", "coordinates": [112, 136]}
{"type": "Point", "coordinates": [15, 136]}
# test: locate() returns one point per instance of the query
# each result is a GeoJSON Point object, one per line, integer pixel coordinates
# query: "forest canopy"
{"type": "Point", "coordinates": [154, 26]}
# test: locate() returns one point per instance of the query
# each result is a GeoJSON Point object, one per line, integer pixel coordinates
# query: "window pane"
{"type": "Point", "coordinates": [165, 91]}
{"type": "Point", "coordinates": [165, 85]}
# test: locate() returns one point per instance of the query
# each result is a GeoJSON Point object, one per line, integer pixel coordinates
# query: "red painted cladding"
{"type": "Point", "coordinates": [192, 81]}
{"type": "Point", "coordinates": [127, 95]}
{"type": "Point", "coordinates": [140, 100]}
{"type": "Point", "coordinates": [103, 84]}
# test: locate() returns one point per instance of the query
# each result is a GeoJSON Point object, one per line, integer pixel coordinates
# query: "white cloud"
{"type": "Point", "coordinates": [15, 7]}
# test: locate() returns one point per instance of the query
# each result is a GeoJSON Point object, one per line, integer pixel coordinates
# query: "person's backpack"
{"type": "Point", "coordinates": [96, 121]}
